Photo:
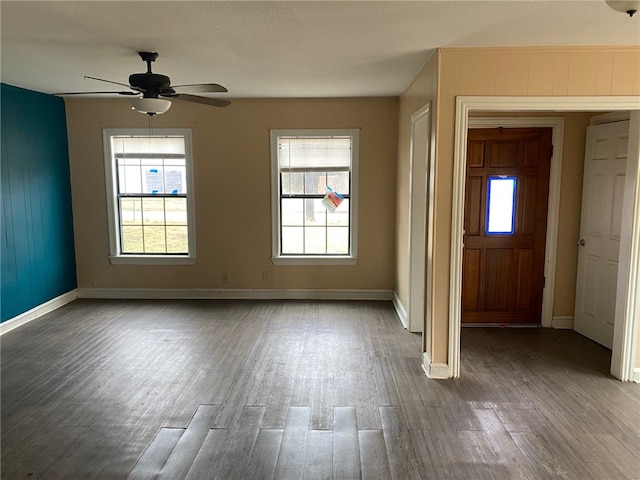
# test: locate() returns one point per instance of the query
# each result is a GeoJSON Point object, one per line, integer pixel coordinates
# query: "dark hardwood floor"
{"type": "Point", "coordinates": [302, 389]}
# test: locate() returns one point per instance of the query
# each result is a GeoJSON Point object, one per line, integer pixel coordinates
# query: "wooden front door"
{"type": "Point", "coordinates": [507, 190]}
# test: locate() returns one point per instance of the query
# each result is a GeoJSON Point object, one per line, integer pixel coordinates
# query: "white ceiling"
{"type": "Point", "coordinates": [280, 49]}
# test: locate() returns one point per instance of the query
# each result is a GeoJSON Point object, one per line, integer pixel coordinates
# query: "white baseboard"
{"type": "Point", "coordinates": [38, 311]}
{"type": "Point", "coordinates": [439, 371]}
{"type": "Point", "coordinates": [156, 293]}
{"type": "Point", "coordinates": [562, 323]}
{"type": "Point", "coordinates": [400, 310]}
{"type": "Point", "coordinates": [636, 375]}
{"type": "Point", "coordinates": [233, 294]}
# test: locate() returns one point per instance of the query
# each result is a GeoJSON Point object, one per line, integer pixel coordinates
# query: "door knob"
{"type": "Point", "coordinates": [581, 242]}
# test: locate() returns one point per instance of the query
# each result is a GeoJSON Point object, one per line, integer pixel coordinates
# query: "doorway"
{"type": "Point", "coordinates": [625, 334]}
{"type": "Point", "coordinates": [419, 173]}
{"type": "Point", "coordinates": [505, 223]}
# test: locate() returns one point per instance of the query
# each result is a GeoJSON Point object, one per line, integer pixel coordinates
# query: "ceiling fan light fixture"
{"type": "Point", "coordinates": [630, 7]}
{"type": "Point", "coordinates": [150, 106]}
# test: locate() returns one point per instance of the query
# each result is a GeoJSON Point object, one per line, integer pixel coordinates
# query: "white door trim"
{"type": "Point", "coordinates": [553, 211]}
{"type": "Point", "coordinates": [419, 164]}
{"type": "Point", "coordinates": [627, 316]}
{"type": "Point", "coordinates": [625, 341]}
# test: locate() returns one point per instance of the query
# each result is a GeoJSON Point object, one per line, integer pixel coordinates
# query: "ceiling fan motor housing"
{"type": "Point", "coordinates": [151, 83]}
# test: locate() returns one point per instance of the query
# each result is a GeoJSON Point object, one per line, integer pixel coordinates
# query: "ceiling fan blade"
{"type": "Point", "coordinates": [201, 88]}
{"type": "Point", "coordinates": [95, 93]}
{"type": "Point", "coordinates": [115, 83]}
{"type": "Point", "coordinates": [216, 102]}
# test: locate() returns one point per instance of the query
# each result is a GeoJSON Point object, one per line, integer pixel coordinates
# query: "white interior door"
{"type": "Point", "coordinates": [418, 218]}
{"type": "Point", "coordinates": [600, 230]}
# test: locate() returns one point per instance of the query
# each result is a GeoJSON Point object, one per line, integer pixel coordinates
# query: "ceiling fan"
{"type": "Point", "coordinates": [151, 90]}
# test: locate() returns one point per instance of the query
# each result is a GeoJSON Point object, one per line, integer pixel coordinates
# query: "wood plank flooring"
{"type": "Point", "coordinates": [302, 389]}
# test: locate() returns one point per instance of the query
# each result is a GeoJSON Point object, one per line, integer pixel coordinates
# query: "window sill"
{"type": "Point", "coordinates": [314, 260]}
{"type": "Point", "coordinates": [150, 260]}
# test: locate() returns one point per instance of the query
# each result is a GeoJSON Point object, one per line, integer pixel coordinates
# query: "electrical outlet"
{"type": "Point", "coordinates": [225, 277]}
{"type": "Point", "coordinates": [265, 275]}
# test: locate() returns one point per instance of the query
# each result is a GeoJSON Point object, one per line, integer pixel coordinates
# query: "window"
{"type": "Point", "coordinates": [314, 201]}
{"type": "Point", "coordinates": [501, 205]}
{"type": "Point", "coordinates": [149, 191]}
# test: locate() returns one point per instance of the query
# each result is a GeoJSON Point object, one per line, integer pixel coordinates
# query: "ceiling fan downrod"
{"type": "Point", "coordinates": [148, 58]}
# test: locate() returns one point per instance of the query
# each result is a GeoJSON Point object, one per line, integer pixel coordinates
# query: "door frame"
{"type": "Point", "coordinates": [626, 321]}
{"type": "Point", "coordinates": [418, 238]}
{"type": "Point", "coordinates": [553, 209]}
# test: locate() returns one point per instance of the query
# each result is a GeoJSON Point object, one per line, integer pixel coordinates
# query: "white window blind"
{"type": "Point", "coordinates": [127, 146]}
{"type": "Point", "coordinates": [322, 153]}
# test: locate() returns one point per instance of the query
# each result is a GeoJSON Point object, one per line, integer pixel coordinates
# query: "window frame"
{"type": "Point", "coordinates": [313, 259]}
{"type": "Point", "coordinates": [116, 257]}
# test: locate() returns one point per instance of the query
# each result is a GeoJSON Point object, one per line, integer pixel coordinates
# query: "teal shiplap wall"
{"type": "Point", "coordinates": [38, 258]}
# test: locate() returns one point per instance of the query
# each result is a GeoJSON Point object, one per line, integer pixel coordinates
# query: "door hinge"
{"type": "Point", "coordinates": [551, 151]}
{"type": "Point", "coordinates": [544, 282]}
